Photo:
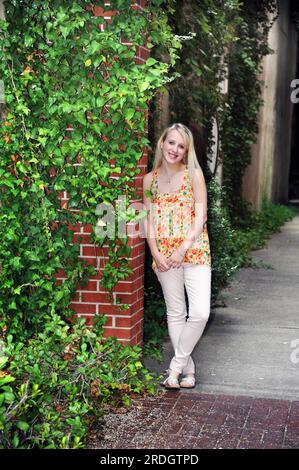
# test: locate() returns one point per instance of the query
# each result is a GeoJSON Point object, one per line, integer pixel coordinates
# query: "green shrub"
{"type": "Point", "coordinates": [252, 232]}
{"type": "Point", "coordinates": [231, 246]}
{"type": "Point", "coordinates": [53, 385]}
{"type": "Point", "coordinates": [155, 323]}
{"type": "Point", "coordinates": [221, 235]}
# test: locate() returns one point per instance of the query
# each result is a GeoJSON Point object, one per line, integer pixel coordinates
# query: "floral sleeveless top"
{"type": "Point", "coordinates": [173, 214]}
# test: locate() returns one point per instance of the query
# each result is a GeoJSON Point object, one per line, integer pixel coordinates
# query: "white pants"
{"type": "Point", "coordinates": [184, 334]}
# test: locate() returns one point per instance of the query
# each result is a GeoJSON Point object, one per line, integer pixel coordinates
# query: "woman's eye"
{"type": "Point", "coordinates": [171, 142]}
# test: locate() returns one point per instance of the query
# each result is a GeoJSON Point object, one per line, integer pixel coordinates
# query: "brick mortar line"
{"type": "Point", "coordinates": [103, 304]}
{"type": "Point", "coordinates": [287, 422]}
{"type": "Point", "coordinates": [95, 246]}
{"type": "Point", "coordinates": [208, 413]}
{"type": "Point", "coordinates": [265, 430]}
{"type": "Point", "coordinates": [97, 280]}
{"type": "Point", "coordinates": [244, 426]}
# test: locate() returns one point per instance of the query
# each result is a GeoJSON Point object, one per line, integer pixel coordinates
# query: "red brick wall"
{"type": "Point", "coordinates": [126, 325]}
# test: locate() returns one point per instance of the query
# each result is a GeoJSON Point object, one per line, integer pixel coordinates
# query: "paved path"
{"type": "Point", "coordinates": [178, 420]}
{"type": "Point", "coordinates": [247, 393]}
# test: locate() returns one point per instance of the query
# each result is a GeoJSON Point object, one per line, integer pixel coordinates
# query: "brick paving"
{"type": "Point", "coordinates": [192, 420]}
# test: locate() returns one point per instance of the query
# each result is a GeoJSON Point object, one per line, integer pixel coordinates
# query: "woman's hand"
{"type": "Point", "coordinates": [176, 259]}
{"type": "Point", "coordinates": [161, 262]}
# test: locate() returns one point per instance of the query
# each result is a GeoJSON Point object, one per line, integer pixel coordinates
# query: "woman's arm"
{"type": "Point", "coordinates": [148, 221]}
{"type": "Point", "coordinates": [200, 198]}
{"type": "Point", "coordinates": [149, 230]}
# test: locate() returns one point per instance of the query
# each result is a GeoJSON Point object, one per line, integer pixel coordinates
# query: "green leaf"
{"type": "Point", "coordinates": [149, 194]}
{"type": "Point", "coordinates": [129, 113]}
{"type": "Point", "coordinates": [9, 397]}
{"type": "Point", "coordinates": [23, 426]}
{"type": "Point", "coordinates": [6, 379]}
{"type": "Point", "coordinates": [3, 361]}
{"type": "Point", "coordinates": [144, 86]}
{"type": "Point", "coordinates": [60, 294]}
{"type": "Point", "coordinates": [15, 440]}
{"type": "Point", "coordinates": [12, 305]}
{"type": "Point", "coordinates": [94, 47]}
{"type": "Point", "coordinates": [151, 61]}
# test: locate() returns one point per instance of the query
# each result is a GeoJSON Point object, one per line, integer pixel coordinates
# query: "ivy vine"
{"type": "Point", "coordinates": [74, 123]}
{"type": "Point", "coordinates": [239, 126]}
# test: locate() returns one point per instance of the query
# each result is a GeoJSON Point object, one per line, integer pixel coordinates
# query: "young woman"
{"type": "Point", "coordinates": [175, 197]}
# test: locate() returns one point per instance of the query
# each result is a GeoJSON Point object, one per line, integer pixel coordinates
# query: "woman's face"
{"type": "Point", "coordinates": [173, 147]}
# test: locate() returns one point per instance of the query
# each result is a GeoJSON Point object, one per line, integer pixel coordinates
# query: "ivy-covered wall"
{"type": "Point", "coordinates": [77, 80]}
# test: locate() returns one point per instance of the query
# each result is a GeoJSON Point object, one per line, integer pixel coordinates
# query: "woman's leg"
{"type": "Point", "coordinates": [172, 283]}
{"type": "Point", "coordinates": [197, 279]}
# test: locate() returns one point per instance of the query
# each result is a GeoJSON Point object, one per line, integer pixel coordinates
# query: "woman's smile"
{"type": "Point", "coordinates": [173, 148]}
{"type": "Point", "coordinates": [171, 155]}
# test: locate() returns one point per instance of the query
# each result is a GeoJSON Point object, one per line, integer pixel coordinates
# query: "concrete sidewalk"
{"type": "Point", "coordinates": [251, 347]}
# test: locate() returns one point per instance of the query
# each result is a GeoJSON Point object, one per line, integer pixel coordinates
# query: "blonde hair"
{"type": "Point", "coordinates": [191, 160]}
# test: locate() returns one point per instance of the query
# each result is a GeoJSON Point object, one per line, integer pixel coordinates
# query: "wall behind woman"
{"type": "Point", "coordinates": [268, 173]}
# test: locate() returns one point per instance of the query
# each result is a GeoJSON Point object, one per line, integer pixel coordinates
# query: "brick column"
{"type": "Point", "coordinates": [126, 325]}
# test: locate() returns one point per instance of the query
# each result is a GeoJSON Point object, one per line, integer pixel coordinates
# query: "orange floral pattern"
{"type": "Point", "coordinates": [173, 214]}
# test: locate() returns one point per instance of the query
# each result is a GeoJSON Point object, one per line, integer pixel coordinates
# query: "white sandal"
{"type": "Point", "coordinates": [189, 380]}
{"type": "Point", "coordinates": [171, 383]}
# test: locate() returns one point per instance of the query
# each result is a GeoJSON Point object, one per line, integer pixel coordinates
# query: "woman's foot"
{"type": "Point", "coordinates": [188, 381]}
{"type": "Point", "coordinates": [172, 381]}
